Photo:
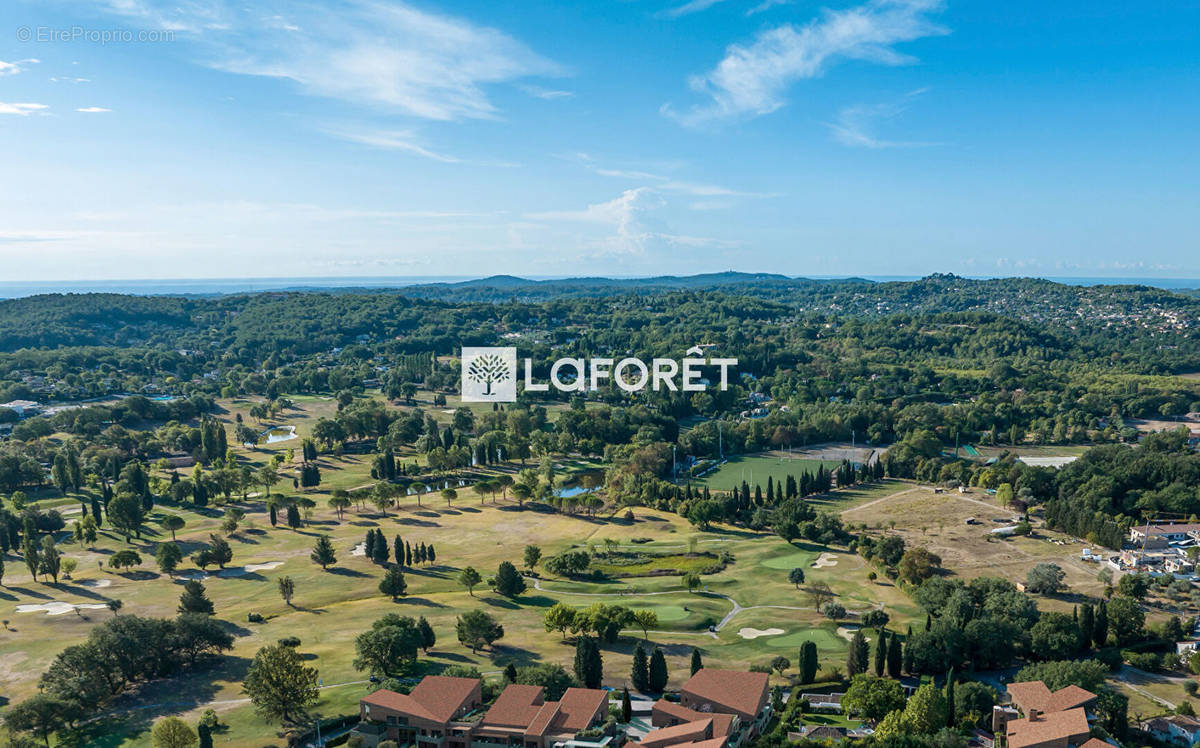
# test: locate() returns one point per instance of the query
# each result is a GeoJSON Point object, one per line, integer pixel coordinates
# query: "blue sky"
{"type": "Point", "coordinates": [220, 138]}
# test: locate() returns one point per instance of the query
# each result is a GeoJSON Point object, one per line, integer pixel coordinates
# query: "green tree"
{"type": "Point", "coordinates": [1054, 637]}
{"type": "Point", "coordinates": [640, 674]}
{"type": "Point", "coordinates": [697, 664]}
{"type": "Point", "coordinates": [796, 577]}
{"type": "Point", "coordinates": [50, 560]}
{"type": "Point", "coordinates": [926, 712]}
{"type": "Point", "coordinates": [589, 665]}
{"type": "Point", "coordinates": [658, 671]}
{"type": "Point", "coordinates": [220, 550]}
{"type": "Point", "coordinates": [1045, 579]}
{"type": "Point", "coordinates": [428, 637]}
{"type": "Point", "coordinates": [280, 685]}
{"type": "Point", "coordinates": [168, 557]}
{"type": "Point", "coordinates": [469, 578]}
{"type": "Point", "coordinates": [172, 732]}
{"type": "Point", "coordinates": [124, 559]}
{"type": "Point", "coordinates": [126, 515]}
{"type": "Point", "coordinates": [533, 554]}
{"type": "Point", "coordinates": [626, 707]}
{"type": "Point", "coordinates": [393, 583]}
{"type": "Point", "coordinates": [895, 658]}
{"type": "Point", "coordinates": [389, 647]}
{"type": "Point", "coordinates": [873, 698]}
{"type": "Point", "coordinates": [41, 714]}
{"type": "Point", "coordinates": [881, 642]}
{"type": "Point", "coordinates": [508, 581]}
{"type": "Point", "coordinates": [857, 657]}
{"type": "Point", "coordinates": [477, 629]}
{"type": "Point", "coordinates": [1126, 619]}
{"type": "Point", "coordinates": [172, 523]}
{"type": "Point", "coordinates": [287, 588]}
{"type": "Point", "coordinates": [194, 599]}
{"type": "Point", "coordinates": [646, 619]}
{"type": "Point", "coordinates": [808, 664]}
{"type": "Point", "coordinates": [322, 552]}
{"type": "Point", "coordinates": [559, 617]}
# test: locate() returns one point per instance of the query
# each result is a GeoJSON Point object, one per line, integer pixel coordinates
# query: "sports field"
{"type": "Point", "coordinates": [755, 469]}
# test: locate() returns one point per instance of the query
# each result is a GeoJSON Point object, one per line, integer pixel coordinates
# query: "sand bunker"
{"type": "Point", "coordinates": [749, 633]}
{"type": "Point", "coordinates": [825, 559]}
{"type": "Point", "coordinates": [241, 571]}
{"type": "Point", "coordinates": [198, 576]}
{"type": "Point", "coordinates": [97, 583]}
{"type": "Point", "coordinates": [359, 550]}
{"type": "Point", "coordinates": [57, 608]}
{"type": "Point", "coordinates": [847, 632]}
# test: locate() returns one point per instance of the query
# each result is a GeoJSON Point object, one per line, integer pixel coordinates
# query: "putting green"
{"type": "Point", "coordinates": [823, 638]}
{"type": "Point", "coordinates": [799, 559]}
{"type": "Point", "coordinates": [666, 612]}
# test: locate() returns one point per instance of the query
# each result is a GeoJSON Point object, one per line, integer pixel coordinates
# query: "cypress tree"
{"type": "Point", "coordinates": [894, 657]}
{"type": "Point", "coordinates": [881, 653]}
{"type": "Point", "coordinates": [510, 672]}
{"type": "Point", "coordinates": [658, 671]}
{"type": "Point", "coordinates": [808, 662]}
{"type": "Point", "coordinates": [274, 516]}
{"type": "Point", "coordinates": [1087, 624]}
{"type": "Point", "coordinates": [640, 675]}
{"type": "Point", "coordinates": [398, 547]}
{"type": "Point", "coordinates": [950, 698]}
{"type": "Point", "coordinates": [697, 663]}
{"type": "Point", "coordinates": [428, 638]}
{"type": "Point", "coordinates": [408, 554]}
{"type": "Point", "coordinates": [626, 707]}
{"type": "Point", "coordinates": [379, 548]}
{"type": "Point", "coordinates": [589, 666]}
{"type": "Point", "coordinates": [856, 658]}
{"type": "Point", "coordinates": [1100, 630]}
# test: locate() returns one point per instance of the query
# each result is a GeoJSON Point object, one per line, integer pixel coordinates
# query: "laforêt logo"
{"type": "Point", "coordinates": [489, 375]}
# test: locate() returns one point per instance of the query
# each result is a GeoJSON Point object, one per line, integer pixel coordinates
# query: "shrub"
{"type": "Point", "coordinates": [255, 618]}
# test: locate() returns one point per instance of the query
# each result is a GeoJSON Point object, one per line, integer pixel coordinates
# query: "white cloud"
{"type": "Point", "coordinates": [548, 94]}
{"type": "Point", "coordinates": [753, 79]}
{"type": "Point", "coordinates": [625, 225]}
{"type": "Point", "coordinates": [66, 79]}
{"type": "Point", "coordinates": [93, 109]}
{"type": "Point", "coordinates": [393, 140]}
{"type": "Point", "coordinates": [21, 108]}
{"type": "Point", "coordinates": [694, 6]}
{"type": "Point", "coordinates": [766, 5]}
{"type": "Point", "coordinates": [19, 66]}
{"type": "Point", "coordinates": [384, 54]}
{"type": "Point", "coordinates": [855, 125]}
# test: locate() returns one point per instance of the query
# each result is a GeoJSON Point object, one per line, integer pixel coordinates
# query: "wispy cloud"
{"type": "Point", "coordinates": [694, 6]}
{"type": "Point", "coordinates": [19, 66]}
{"type": "Point", "coordinates": [664, 183]}
{"type": "Point", "coordinates": [393, 140]}
{"type": "Point", "coordinates": [68, 79]}
{"type": "Point", "coordinates": [21, 108]}
{"type": "Point", "coordinates": [546, 93]}
{"type": "Point", "coordinates": [384, 54]}
{"type": "Point", "coordinates": [93, 109]}
{"type": "Point", "coordinates": [407, 141]}
{"type": "Point", "coordinates": [766, 5]}
{"type": "Point", "coordinates": [855, 125]}
{"type": "Point", "coordinates": [753, 79]}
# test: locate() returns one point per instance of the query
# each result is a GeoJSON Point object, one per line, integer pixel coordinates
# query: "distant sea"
{"type": "Point", "coordinates": [221, 286]}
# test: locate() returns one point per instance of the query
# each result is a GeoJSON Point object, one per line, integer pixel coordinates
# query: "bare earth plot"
{"type": "Point", "coordinates": [938, 522]}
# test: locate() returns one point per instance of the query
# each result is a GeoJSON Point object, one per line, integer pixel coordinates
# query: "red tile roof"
{"type": "Point", "coordinates": [722, 723]}
{"type": "Point", "coordinates": [1047, 728]}
{"type": "Point", "coordinates": [578, 706]}
{"type": "Point", "coordinates": [686, 733]}
{"type": "Point", "coordinates": [516, 706]}
{"type": "Point", "coordinates": [436, 698]}
{"type": "Point", "coordinates": [1035, 695]}
{"type": "Point", "coordinates": [741, 692]}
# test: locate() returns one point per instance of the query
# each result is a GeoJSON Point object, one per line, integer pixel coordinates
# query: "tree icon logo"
{"type": "Point", "coordinates": [489, 375]}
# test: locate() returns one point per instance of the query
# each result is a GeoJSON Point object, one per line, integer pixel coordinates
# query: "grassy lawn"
{"type": "Point", "coordinates": [755, 469]}
{"type": "Point", "coordinates": [332, 607]}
